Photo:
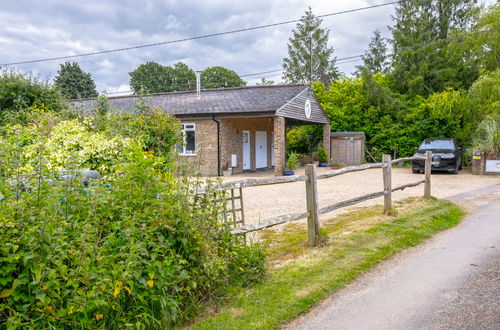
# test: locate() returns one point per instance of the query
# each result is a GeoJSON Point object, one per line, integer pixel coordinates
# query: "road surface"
{"type": "Point", "coordinates": [450, 282]}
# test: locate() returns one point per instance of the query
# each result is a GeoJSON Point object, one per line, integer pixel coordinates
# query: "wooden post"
{"type": "Point", "coordinates": [428, 168]}
{"type": "Point", "coordinates": [312, 205]}
{"type": "Point", "coordinates": [387, 172]}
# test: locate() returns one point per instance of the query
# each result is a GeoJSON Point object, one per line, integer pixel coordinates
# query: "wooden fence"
{"type": "Point", "coordinates": [311, 181]}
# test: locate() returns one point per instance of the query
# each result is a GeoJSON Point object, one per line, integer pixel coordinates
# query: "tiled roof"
{"type": "Point", "coordinates": [215, 101]}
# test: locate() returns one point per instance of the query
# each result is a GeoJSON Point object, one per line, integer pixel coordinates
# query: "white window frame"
{"type": "Point", "coordinates": [184, 151]}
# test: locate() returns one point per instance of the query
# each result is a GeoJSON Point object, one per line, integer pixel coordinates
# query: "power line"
{"type": "Point", "coordinates": [197, 37]}
{"type": "Point", "coordinates": [343, 59]}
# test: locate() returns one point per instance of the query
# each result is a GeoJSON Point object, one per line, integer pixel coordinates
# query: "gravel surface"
{"type": "Point", "coordinates": [452, 281]}
{"type": "Point", "coordinates": [268, 201]}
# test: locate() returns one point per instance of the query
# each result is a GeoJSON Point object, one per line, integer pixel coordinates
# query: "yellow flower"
{"type": "Point", "coordinates": [116, 292]}
{"type": "Point", "coordinates": [50, 309]}
{"type": "Point", "coordinates": [99, 316]}
{"type": "Point", "coordinates": [150, 283]}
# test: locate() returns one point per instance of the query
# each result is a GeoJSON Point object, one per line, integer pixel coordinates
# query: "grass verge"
{"type": "Point", "coordinates": [300, 277]}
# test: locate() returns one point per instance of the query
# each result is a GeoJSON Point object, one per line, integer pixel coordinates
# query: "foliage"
{"type": "Point", "coordinates": [375, 59]}
{"type": "Point", "coordinates": [423, 60]}
{"type": "Point", "coordinates": [292, 161]}
{"type": "Point", "coordinates": [73, 82]}
{"type": "Point", "coordinates": [322, 155]}
{"type": "Point", "coordinates": [487, 136]}
{"type": "Point", "coordinates": [135, 250]}
{"type": "Point", "coordinates": [486, 42]}
{"type": "Point", "coordinates": [152, 77]}
{"type": "Point", "coordinates": [265, 82]}
{"type": "Point", "coordinates": [220, 77]}
{"type": "Point", "coordinates": [18, 93]}
{"type": "Point", "coordinates": [391, 120]}
{"type": "Point", "coordinates": [309, 43]}
{"type": "Point", "coordinates": [303, 139]}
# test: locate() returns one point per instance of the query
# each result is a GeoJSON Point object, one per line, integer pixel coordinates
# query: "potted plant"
{"type": "Point", "coordinates": [227, 170]}
{"type": "Point", "coordinates": [291, 163]}
{"type": "Point", "coordinates": [322, 157]}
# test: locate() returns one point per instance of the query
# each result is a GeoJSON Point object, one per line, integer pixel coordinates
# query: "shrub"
{"type": "Point", "coordinates": [140, 249]}
{"type": "Point", "coordinates": [322, 155]}
{"type": "Point", "coordinates": [18, 93]}
{"type": "Point", "coordinates": [293, 161]}
{"type": "Point", "coordinates": [136, 251]}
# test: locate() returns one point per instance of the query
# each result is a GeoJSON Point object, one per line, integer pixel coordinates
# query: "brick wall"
{"type": "Point", "coordinates": [205, 160]}
{"type": "Point", "coordinates": [232, 139]}
{"type": "Point", "coordinates": [279, 145]}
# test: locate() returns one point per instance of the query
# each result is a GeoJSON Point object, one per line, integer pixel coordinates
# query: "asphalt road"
{"type": "Point", "coordinates": [450, 282]}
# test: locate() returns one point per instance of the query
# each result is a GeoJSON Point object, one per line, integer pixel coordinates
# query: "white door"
{"type": "Point", "coordinates": [246, 150]}
{"type": "Point", "coordinates": [260, 149]}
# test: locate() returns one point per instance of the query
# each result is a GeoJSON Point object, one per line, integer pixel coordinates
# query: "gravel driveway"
{"type": "Point", "coordinates": [268, 201]}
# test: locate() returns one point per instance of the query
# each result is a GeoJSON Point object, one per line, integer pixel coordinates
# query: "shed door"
{"type": "Point", "coordinates": [246, 150]}
{"type": "Point", "coordinates": [260, 149]}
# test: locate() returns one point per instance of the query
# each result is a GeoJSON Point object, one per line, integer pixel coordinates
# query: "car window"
{"type": "Point", "coordinates": [437, 144]}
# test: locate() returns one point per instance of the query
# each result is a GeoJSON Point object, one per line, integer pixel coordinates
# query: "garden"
{"type": "Point", "coordinates": [130, 245]}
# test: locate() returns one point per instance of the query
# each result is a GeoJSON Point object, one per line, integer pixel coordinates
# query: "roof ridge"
{"type": "Point", "coordinates": [194, 91]}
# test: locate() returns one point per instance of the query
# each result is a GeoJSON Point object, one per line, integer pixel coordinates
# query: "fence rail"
{"type": "Point", "coordinates": [313, 210]}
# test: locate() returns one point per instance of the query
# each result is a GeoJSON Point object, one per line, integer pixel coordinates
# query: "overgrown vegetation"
{"type": "Point", "coordinates": [443, 80]}
{"type": "Point", "coordinates": [301, 277]}
{"type": "Point", "coordinates": [138, 248]}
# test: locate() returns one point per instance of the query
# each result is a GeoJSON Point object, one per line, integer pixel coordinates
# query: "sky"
{"type": "Point", "coordinates": [31, 30]}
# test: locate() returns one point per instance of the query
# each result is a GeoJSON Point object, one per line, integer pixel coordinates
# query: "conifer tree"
{"type": "Point", "coordinates": [73, 82]}
{"type": "Point", "coordinates": [309, 57]}
{"type": "Point", "coordinates": [422, 61]}
{"type": "Point", "coordinates": [375, 58]}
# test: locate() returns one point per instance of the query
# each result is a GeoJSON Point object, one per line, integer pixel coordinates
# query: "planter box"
{"type": "Point", "coordinates": [288, 173]}
{"type": "Point", "coordinates": [323, 164]}
{"type": "Point", "coordinates": [227, 172]}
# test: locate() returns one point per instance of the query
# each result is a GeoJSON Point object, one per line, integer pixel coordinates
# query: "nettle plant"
{"type": "Point", "coordinates": [135, 250]}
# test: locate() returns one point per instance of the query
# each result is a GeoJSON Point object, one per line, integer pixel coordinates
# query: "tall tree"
{"type": "Point", "coordinates": [309, 57]}
{"type": "Point", "coordinates": [220, 77]}
{"type": "Point", "coordinates": [151, 77]}
{"type": "Point", "coordinates": [74, 82]}
{"type": "Point", "coordinates": [422, 61]}
{"type": "Point", "coordinates": [184, 78]}
{"type": "Point", "coordinates": [375, 59]}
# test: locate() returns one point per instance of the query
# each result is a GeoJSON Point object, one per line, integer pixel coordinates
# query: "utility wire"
{"type": "Point", "coordinates": [197, 37]}
{"type": "Point", "coordinates": [348, 58]}
{"type": "Point", "coordinates": [355, 58]}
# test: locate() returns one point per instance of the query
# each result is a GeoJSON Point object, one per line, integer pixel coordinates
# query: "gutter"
{"type": "Point", "coordinates": [218, 145]}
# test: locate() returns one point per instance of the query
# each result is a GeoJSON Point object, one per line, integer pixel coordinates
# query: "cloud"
{"type": "Point", "coordinates": [41, 29]}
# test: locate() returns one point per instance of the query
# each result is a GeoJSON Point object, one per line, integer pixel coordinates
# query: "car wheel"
{"type": "Point", "coordinates": [455, 171]}
{"type": "Point", "coordinates": [460, 167]}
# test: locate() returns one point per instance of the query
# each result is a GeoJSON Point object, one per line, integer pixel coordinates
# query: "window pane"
{"type": "Point", "coordinates": [437, 144]}
{"type": "Point", "coordinates": [190, 142]}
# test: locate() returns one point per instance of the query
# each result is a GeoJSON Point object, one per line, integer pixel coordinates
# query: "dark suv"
{"type": "Point", "coordinates": [446, 155]}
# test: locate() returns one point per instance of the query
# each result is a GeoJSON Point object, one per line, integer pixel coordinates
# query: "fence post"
{"type": "Point", "coordinates": [387, 171]}
{"type": "Point", "coordinates": [428, 168]}
{"type": "Point", "coordinates": [312, 205]}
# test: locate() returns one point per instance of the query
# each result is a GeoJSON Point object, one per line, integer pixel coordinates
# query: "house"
{"type": "Point", "coordinates": [243, 128]}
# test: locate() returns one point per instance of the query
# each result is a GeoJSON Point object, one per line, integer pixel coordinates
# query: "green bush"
{"type": "Point", "coordinates": [18, 93]}
{"type": "Point", "coordinates": [322, 155]}
{"type": "Point", "coordinates": [293, 161]}
{"type": "Point", "coordinates": [137, 251]}
{"type": "Point", "coordinates": [140, 249]}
